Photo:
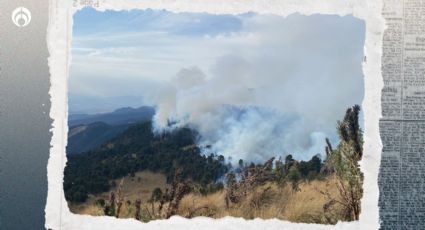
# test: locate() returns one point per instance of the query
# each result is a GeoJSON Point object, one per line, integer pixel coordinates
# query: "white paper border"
{"type": "Point", "coordinates": [59, 34]}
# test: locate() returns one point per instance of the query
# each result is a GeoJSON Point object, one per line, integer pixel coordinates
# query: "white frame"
{"type": "Point", "coordinates": [59, 37]}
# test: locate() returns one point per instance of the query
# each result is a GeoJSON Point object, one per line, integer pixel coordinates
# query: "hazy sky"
{"type": "Point", "coordinates": [299, 72]}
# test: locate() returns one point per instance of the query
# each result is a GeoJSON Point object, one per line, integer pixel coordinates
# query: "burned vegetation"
{"type": "Point", "coordinates": [315, 191]}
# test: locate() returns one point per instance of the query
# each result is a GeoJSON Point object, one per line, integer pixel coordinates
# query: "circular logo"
{"type": "Point", "coordinates": [21, 17]}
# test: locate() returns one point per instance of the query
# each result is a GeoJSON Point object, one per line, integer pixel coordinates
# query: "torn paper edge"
{"type": "Point", "coordinates": [59, 36]}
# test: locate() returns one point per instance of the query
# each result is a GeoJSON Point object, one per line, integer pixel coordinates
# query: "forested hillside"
{"type": "Point", "coordinates": [135, 150]}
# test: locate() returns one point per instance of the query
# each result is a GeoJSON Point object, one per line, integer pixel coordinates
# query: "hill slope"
{"type": "Point", "coordinates": [82, 138]}
{"type": "Point", "coordinates": [137, 149]}
{"type": "Point", "coordinates": [87, 132]}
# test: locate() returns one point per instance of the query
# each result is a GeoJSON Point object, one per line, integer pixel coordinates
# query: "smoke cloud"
{"type": "Point", "coordinates": [251, 111]}
{"type": "Point", "coordinates": [284, 98]}
{"type": "Point", "coordinates": [253, 86]}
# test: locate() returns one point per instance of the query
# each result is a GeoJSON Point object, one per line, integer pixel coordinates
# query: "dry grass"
{"type": "Point", "coordinates": [88, 209]}
{"type": "Point", "coordinates": [138, 187]}
{"type": "Point", "coordinates": [212, 205]}
{"type": "Point", "coordinates": [269, 201]}
{"type": "Point", "coordinates": [266, 201]}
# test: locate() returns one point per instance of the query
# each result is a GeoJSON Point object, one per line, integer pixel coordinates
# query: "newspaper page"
{"type": "Point", "coordinates": [401, 180]}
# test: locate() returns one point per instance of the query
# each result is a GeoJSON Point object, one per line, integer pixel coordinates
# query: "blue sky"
{"type": "Point", "coordinates": [155, 20]}
{"type": "Point", "coordinates": [190, 65]}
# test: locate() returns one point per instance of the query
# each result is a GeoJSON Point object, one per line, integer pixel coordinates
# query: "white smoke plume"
{"type": "Point", "coordinates": [248, 111]}
{"type": "Point", "coordinates": [284, 97]}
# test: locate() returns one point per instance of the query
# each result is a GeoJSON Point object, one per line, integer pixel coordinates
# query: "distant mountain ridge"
{"type": "Point", "coordinates": [118, 117]}
{"type": "Point", "coordinates": [87, 132]}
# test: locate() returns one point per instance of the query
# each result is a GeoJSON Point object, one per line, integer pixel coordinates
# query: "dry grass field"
{"type": "Point", "coordinates": [138, 187]}
{"type": "Point", "coordinates": [268, 201]}
{"type": "Point", "coordinates": [307, 204]}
